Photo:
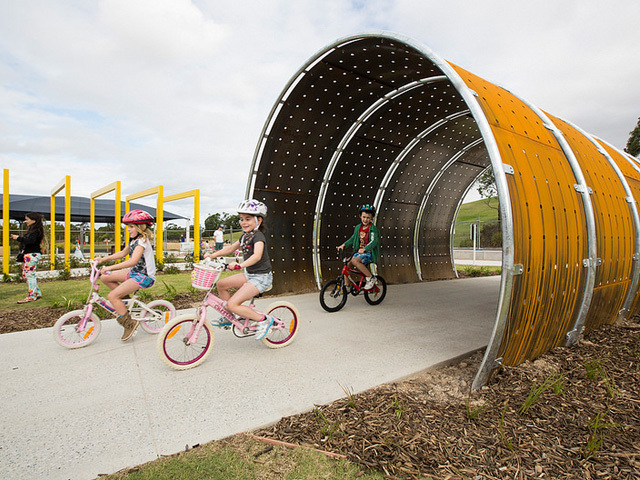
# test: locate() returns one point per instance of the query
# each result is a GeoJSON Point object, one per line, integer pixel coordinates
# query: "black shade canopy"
{"type": "Point", "coordinates": [20, 205]}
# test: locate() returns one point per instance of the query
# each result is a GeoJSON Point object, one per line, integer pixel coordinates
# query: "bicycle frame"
{"type": "Point", "coordinates": [133, 304]}
{"type": "Point", "coordinates": [241, 323]}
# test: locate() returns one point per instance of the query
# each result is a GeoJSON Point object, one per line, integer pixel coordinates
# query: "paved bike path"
{"type": "Point", "coordinates": [74, 414]}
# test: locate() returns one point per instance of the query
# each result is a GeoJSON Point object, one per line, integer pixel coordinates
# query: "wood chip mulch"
{"type": "Point", "coordinates": [585, 423]}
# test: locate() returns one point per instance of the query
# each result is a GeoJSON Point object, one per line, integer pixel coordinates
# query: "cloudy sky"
{"type": "Point", "coordinates": [176, 92]}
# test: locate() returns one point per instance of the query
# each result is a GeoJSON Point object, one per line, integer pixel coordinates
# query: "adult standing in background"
{"type": "Point", "coordinates": [30, 248]}
{"type": "Point", "coordinates": [218, 235]}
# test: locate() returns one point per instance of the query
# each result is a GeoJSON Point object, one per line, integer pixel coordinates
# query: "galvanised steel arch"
{"type": "Point", "coordinates": [381, 118]}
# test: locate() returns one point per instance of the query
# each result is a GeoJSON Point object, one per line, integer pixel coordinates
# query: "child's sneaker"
{"type": "Point", "coordinates": [264, 326]}
{"type": "Point", "coordinates": [371, 281]}
{"type": "Point", "coordinates": [220, 322]}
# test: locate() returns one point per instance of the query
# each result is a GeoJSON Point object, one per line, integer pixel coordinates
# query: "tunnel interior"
{"type": "Point", "coordinates": [381, 119]}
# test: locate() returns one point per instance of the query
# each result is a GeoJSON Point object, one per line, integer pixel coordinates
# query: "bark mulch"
{"type": "Point", "coordinates": [572, 414]}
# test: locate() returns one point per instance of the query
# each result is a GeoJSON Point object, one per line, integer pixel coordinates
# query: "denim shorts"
{"type": "Point", "coordinates": [365, 257]}
{"type": "Point", "coordinates": [262, 281]}
{"type": "Point", "coordinates": [142, 280]}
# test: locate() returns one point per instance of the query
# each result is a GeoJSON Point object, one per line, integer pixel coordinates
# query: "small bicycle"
{"type": "Point", "coordinates": [333, 295]}
{"type": "Point", "coordinates": [187, 340]}
{"type": "Point", "coordinates": [80, 328]}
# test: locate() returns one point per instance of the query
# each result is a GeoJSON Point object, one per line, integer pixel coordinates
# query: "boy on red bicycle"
{"type": "Point", "coordinates": [366, 237]}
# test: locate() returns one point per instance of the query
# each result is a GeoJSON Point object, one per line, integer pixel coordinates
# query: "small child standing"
{"type": "Point", "coordinates": [142, 268]}
{"type": "Point", "coordinates": [257, 276]}
{"type": "Point", "coordinates": [366, 238]}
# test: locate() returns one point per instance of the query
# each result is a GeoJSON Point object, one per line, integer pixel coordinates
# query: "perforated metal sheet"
{"type": "Point", "coordinates": [381, 119]}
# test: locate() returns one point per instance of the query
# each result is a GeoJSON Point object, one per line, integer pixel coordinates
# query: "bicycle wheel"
{"type": "Point", "coordinates": [67, 334]}
{"type": "Point", "coordinates": [163, 311]}
{"type": "Point", "coordinates": [172, 343]}
{"type": "Point", "coordinates": [288, 313]}
{"type": "Point", "coordinates": [333, 296]}
{"type": "Point", "coordinates": [377, 293]}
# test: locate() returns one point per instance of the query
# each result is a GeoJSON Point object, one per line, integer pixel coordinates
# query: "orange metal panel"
{"type": "Point", "coordinates": [614, 228]}
{"type": "Point", "coordinates": [550, 237]}
{"type": "Point", "coordinates": [633, 179]}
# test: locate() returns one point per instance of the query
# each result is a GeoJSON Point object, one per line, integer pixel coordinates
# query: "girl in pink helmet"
{"type": "Point", "coordinates": [257, 276]}
{"type": "Point", "coordinates": [138, 272]}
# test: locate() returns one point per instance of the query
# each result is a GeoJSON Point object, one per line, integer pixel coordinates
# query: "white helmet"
{"type": "Point", "coordinates": [253, 207]}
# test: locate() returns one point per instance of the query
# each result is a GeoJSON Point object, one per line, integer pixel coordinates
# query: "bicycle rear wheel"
{"type": "Point", "coordinates": [377, 293]}
{"type": "Point", "coordinates": [163, 312]}
{"type": "Point", "coordinates": [333, 295]}
{"type": "Point", "coordinates": [66, 330]}
{"type": "Point", "coordinates": [172, 345]}
{"type": "Point", "coordinates": [287, 313]}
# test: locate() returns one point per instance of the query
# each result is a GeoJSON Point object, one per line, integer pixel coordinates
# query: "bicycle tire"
{"type": "Point", "coordinates": [333, 296]}
{"type": "Point", "coordinates": [376, 295]}
{"type": "Point", "coordinates": [288, 313]}
{"type": "Point", "coordinates": [171, 344]}
{"type": "Point", "coordinates": [66, 334]}
{"type": "Point", "coordinates": [165, 312]}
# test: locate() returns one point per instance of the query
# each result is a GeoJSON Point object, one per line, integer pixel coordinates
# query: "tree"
{"type": "Point", "coordinates": [487, 187]}
{"type": "Point", "coordinates": [633, 144]}
{"type": "Point", "coordinates": [228, 222]}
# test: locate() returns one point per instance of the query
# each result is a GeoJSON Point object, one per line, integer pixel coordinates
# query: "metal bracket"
{"type": "Point", "coordinates": [583, 189]}
{"type": "Point", "coordinates": [497, 362]}
{"type": "Point", "coordinates": [518, 269]}
{"type": "Point", "coordinates": [635, 257]}
{"type": "Point", "coordinates": [630, 199]}
{"type": "Point", "coordinates": [508, 169]}
{"type": "Point", "coordinates": [596, 262]}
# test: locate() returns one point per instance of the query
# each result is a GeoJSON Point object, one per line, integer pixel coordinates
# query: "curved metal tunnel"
{"type": "Point", "coordinates": [379, 118]}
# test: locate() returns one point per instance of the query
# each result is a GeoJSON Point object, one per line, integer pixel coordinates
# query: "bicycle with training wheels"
{"type": "Point", "coordinates": [333, 295]}
{"type": "Point", "coordinates": [187, 340]}
{"type": "Point", "coordinates": [80, 328]}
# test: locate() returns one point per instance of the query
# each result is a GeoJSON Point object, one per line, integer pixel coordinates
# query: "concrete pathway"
{"type": "Point", "coordinates": [74, 414]}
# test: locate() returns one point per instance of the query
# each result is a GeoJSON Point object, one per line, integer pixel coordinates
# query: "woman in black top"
{"type": "Point", "coordinates": [30, 247]}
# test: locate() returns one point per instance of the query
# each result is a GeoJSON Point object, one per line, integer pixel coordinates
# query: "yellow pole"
{"type": "Point", "coordinates": [159, 226]}
{"type": "Point", "coordinates": [52, 221]}
{"type": "Point", "coordinates": [118, 218]}
{"type": "Point", "coordinates": [67, 224]}
{"type": "Point", "coordinates": [117, 208]}
{"type": "Point", "coordinates": [6, 250]}
{"type": "Point", "coordinates": [196, 226]}
{"type": "Point", "coordinates": [196, 216]}
{"type": "Point", "coordinates": [92, 235]}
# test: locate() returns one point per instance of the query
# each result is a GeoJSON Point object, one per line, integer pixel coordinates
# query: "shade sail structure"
{"type": "Point", "coordinates": [20, 205]}
{"type": "Point", "coordinates": [382, 119]}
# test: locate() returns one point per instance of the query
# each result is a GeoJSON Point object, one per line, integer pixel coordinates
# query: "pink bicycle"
{"type": "Point", "coordinates": [80, 328]}
{"type": "Point", "coordinates": [187, 340]}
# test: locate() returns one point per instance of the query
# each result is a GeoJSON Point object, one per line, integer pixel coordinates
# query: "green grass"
{"type": "Point", "coordinates": [57, 292]}
{"type": "Point", "coordinates": [484, 210]}
{"type": "Point", "coordinates": [242, 457]}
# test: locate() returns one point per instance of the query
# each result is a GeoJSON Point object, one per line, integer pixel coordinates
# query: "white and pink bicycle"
{"type": "Point", "coordinates": [187, 340]}
{"type": "Point", "coordinates": [80, 328]}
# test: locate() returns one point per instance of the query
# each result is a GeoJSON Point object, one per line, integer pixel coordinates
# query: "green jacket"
{"type": "Point", "coordinates": [374, 241]}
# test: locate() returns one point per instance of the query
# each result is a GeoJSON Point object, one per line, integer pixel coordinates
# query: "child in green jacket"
{"type": "Point", "coordinates": [366, 239]}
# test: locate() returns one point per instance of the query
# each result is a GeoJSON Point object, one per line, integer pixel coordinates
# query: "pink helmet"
{"type": "Point", "coordinates": [138, 217]}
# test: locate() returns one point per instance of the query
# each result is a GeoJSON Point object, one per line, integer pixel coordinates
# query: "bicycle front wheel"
{"type": "Point", "coordinates": [377, 293]}
{"type": "Point", "coordinates": [288, 314]}
{"type": "Point", "coordinates": [68, 333]}
{"type": "Point", "coordinates": [161, 313]}
{"type": "Point", "coordinates": [173, 342]}
{"type": "Point", "coordinates": [333, 295]}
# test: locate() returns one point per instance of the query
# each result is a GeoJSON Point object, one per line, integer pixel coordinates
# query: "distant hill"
{"type": "Point", "coordinates": [483, 210]}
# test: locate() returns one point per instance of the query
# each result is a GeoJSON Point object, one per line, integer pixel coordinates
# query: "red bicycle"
{"type": "Point", "coordinates": [333, 295]}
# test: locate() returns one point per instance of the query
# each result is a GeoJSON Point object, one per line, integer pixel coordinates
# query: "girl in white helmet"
{"type": "Point", "coordinates": [257, 276]}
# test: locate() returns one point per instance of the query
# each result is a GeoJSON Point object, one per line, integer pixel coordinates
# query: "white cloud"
{"type": "Point", "coordinates": [176, 92]}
